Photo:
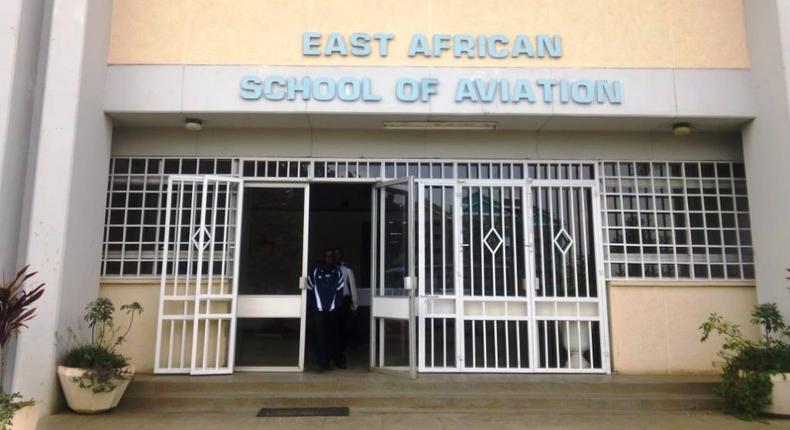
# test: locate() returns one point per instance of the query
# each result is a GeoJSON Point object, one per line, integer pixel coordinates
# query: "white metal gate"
{"type": "Point", "coordinates": [197, 302]}
{"type": "Point", "coordinates": [502, 287]}
{"type": "Point", "coordinates": [571, 330]}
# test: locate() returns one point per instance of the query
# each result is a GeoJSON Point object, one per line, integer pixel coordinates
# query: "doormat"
{"type": "Point", "coordinates": [303, 412]}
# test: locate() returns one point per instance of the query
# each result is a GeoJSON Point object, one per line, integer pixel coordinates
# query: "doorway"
{"type": "Point", "coordinates": [340, 216]}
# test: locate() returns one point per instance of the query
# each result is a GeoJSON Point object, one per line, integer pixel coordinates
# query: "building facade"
{"type": "Point", "coordinates": [556, 187]}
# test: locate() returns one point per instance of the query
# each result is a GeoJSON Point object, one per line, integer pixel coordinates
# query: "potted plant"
{"type": "Point", "coordinates": [93, 374]}
{"type": "Point", "coordinates": [15, 311]}
{"type": "Point", "coordinates": [754, 371]}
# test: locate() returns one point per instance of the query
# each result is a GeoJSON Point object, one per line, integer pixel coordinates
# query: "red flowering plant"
{"type": "Point", "coordinates": [16, 310]}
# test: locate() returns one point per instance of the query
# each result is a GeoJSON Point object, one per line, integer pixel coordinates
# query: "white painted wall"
{"type": "Point", "coordinates": [68, 178]}
{"type": "Point", "coordinates": [766, 146]}
{"type": "Point", "coordinates": [20, 35]}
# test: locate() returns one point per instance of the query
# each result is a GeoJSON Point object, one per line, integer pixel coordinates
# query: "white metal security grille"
{"type": "Point", "coordinates": [676, 220]}
{"type": "Point", "coordinates": [666, 220]}
{"type": "Point", "coordinates": [197, 303]}
{"type": "Point", "coordinates": [509, 277]}
{"type": "Point", "coordinates": [570, 301]}
{"type": "Point", "coordinates": [495, 298]}
{"type": "Point", "coordinates": [474, 300]}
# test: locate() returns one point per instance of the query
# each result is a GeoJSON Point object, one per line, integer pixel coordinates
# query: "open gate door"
{"type": "Point", "coordinates": [197, 302]}
{"type": "Point", "coordinates": [393, 335]}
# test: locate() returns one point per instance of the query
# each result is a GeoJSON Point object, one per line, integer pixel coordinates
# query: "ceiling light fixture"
{"type": "Point", "coordinates": [439, 125]}
{"type": "Point", "coordinates": [681, 128]}
{"type": "Point", "coordinates": [193, 124]}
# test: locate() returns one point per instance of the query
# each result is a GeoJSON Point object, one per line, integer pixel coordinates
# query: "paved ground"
{"type": "Point", "coordinates": [122, 420]}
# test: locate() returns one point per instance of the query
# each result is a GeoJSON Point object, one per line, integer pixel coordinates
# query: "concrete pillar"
{"type": "Point", "coordinates": [766, 147]}
{"type": "Point", "coordinates": [66, 188]}
{"type": "Point", "coordinates": [20, 34]}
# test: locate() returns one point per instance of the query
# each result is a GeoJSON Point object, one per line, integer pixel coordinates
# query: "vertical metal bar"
{"type": "Point", "coordinates": [561, 210]}
{"type": "Point", "coordinates": [518, 344]}
{"type": "Point", "coordinates": [507, 340]}
{"type": "Point", "coordinates": [485, 345]}
{"type": "Point", "coordinates": [239, 209]}
{"type": "Point", "coordinates": [542, 243]}
{"type": "Point", "coordinates": [422, 238]}
{"type": "Point", "coordinates": [551, 243]}
{"type": "Point", "coordinates": [592, 345]}
{"type": "Point", "coordinates": [496, 343]}
{"type": "Point", "coordinates": [572, 215]}
{"type": "Point", "coordinates": [546, 344]}
{"type": "Point", "coordinates": [162, 290]}
{"type": "Point", "coordinates": [218, 343]}
{"type": "Point", "coordinates": [444, 338]}
{"type": "Point", "coordinates": [557, 339]}
{"type": "Point", "coordinates": [583, 222]}
{"type": "Point", "coordinates": [373, 278]}
{"type": "Point", "coordinates": [444, 243]}
{"type": "Point", "coordinates": [304, 269]}
{"type": "Point", "coordinates": [470, 208]}
{"type": "Point", "coordinates": [199, 277]}
{"type": "Point", "coordinates": [514, 238]}
{"type": "Point", "coordinates": [579, 343]}
{"type": "Point", "coordinates": [492, 221]}
{"type": "Point", "coordinates": [431, 242]}
{"type": "Point", "coordinates": [474, 344]}
{"type": "Point", "coordinates": [411, 262]}
{"type": "Point", "coordinates": [672, 220]}
{"type": "Point", "coordinates": [504, 237]}
{"type": "Point", "coordinates": [481, 235]}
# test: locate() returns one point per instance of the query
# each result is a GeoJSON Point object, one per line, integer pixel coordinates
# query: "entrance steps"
{"type": "Point", "coordinates": [371, 392]}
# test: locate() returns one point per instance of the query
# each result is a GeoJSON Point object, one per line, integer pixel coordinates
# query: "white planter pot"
{"type": "Point", "coordinates": [84, 400]}
{"type": "Point", "coordinates": [780, 395]}
{"type": "Point", "coordinates": [25, 418]}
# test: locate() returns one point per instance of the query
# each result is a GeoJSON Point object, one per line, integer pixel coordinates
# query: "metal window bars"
{"type": "Point", "coordinates": [665, 220]}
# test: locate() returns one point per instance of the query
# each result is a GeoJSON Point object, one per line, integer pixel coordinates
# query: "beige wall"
{"type": "Point", "coordinates": [596, 33]}
{"type": "Point", "coordinates": [655, 328]}
{"type": "Point", "coordinates": [332, 143]}
{"type": "Point", "coordinates": [141, 341]}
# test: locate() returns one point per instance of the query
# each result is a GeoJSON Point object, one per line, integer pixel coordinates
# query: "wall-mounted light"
{"type": "Point", "coordinates": [193, 124]}
{"type": "Point", "coordinates": [439, 125]}
{"type": "Point", "coordinates": [682, 129]}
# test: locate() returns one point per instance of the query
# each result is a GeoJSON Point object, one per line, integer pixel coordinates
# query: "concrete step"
{"type": "Point", "coordinates": [425, 402]}
{"type": "Point", "coordinates": [365, 392]}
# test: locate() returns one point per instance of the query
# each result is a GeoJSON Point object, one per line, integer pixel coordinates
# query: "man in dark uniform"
{"type": "Point", "coordinates": [325, 295]}
{"type": "Point", "coordinates": [348, 305]}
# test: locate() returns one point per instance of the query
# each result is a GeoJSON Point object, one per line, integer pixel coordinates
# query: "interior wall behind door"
{"type": "Point", "coordinates": [340, 218]}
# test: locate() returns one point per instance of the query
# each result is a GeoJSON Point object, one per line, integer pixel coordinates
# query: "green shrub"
{"type": "Point", "coordinates": [748, 364]}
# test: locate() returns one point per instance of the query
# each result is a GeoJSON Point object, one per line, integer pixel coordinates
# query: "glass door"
{"type": "Point", "coordinates": [270, 333]}
{"type": "Point", "coordinates": [393, 280]}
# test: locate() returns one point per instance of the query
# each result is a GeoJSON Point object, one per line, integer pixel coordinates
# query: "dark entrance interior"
{"type": "Point", "coordinates": [340, 218]}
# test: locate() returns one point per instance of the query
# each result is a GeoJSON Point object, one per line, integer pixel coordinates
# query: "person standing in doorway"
{"type": "Point", "coordinates": [348, 306]}
{"type": "Point", "coordinates": [325, 285]}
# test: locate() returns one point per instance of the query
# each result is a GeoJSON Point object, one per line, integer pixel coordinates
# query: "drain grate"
{"type": "Point", "coordinates": [303, 412]}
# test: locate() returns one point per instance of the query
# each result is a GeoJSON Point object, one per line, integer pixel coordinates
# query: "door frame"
{"type": "Point", "coordinates": [274, 298]}
{"type": "Point", "coordinates": [393, 306]}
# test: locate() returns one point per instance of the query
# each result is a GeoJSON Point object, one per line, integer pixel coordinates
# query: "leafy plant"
{"type": "Point", "coordinates": [748, 363]}
{"type": "Point", "coordinates": [98, 353]}
{"type": "Point", "coordinates": [16, 309]}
